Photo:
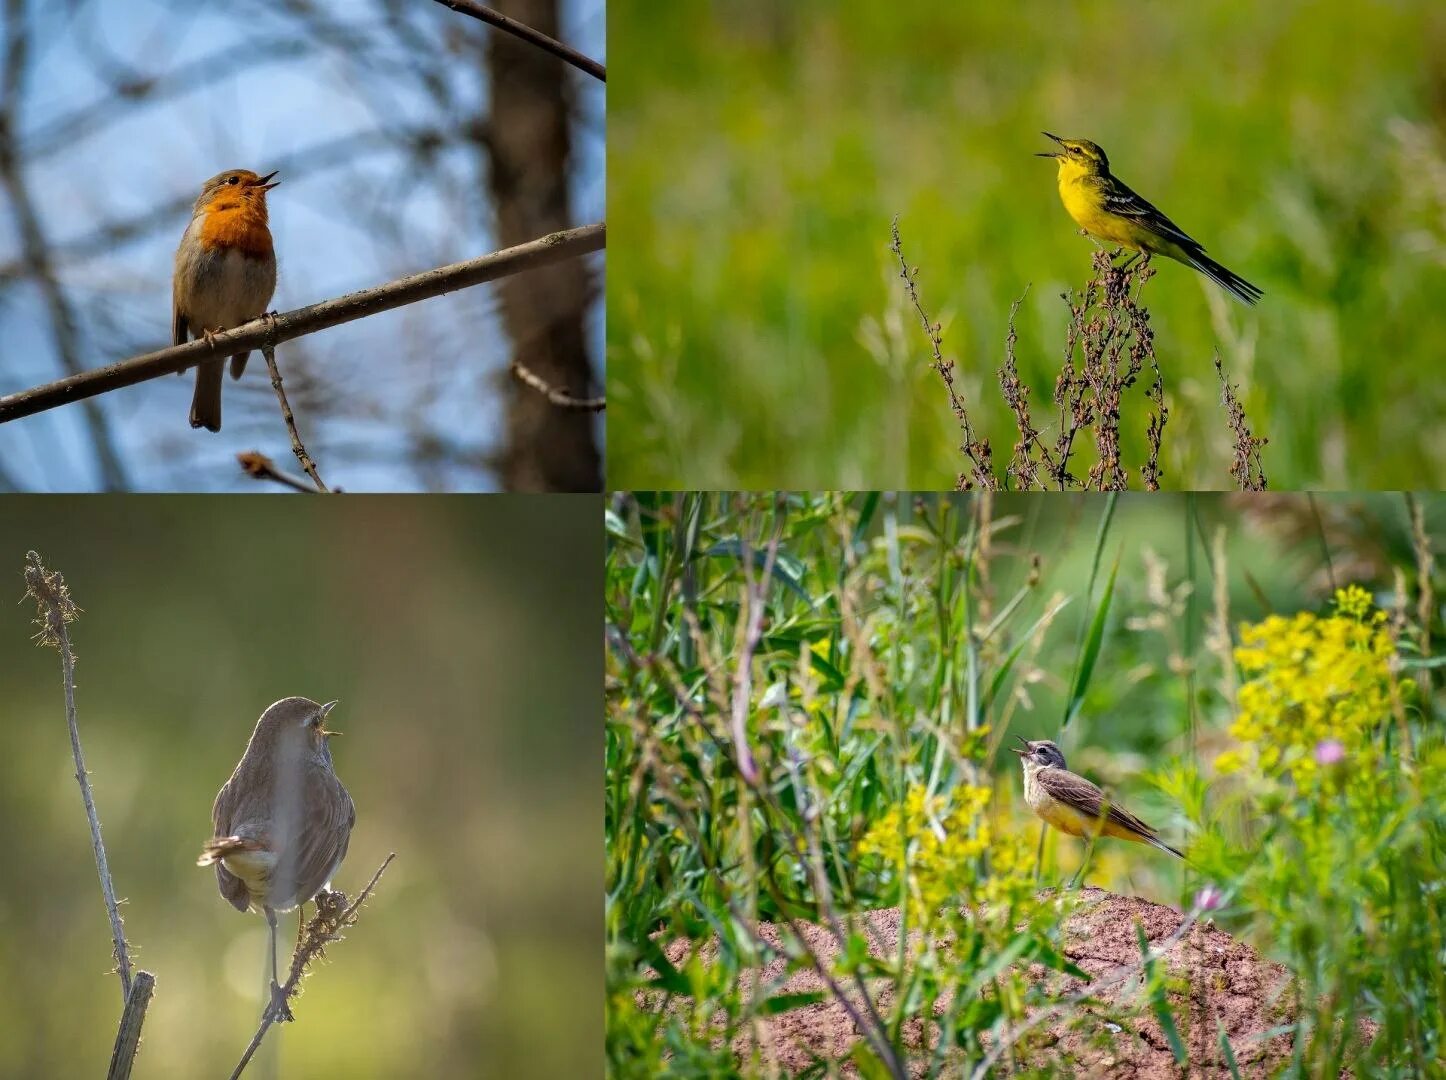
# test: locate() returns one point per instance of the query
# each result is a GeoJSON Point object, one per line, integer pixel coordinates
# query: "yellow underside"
{"type": "Point", "coordinates": [1069, 820]}
{"type": "Point", "coordinates": [1084, 205]}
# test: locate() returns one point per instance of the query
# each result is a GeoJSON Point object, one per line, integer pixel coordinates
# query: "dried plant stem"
{"type": "Point", "coordinates": [258, 466]}
{"type": "Point", "coordinates": [1246, 469]}
{"type": "Point", "coordinates": [978, 452]}
{"type": "Point", "coordinates": [128, 1037]}
{"type": "Point", "coordinates": [55, 610]}
{"type": "Point", "coordinates": [333, 915]}
{"type": "Point", "coordinates": [308, 466]}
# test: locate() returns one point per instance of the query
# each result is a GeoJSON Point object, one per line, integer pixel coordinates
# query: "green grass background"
{"type": "Point", "coordinates": [757, 152]}
{"type": "Point", "coordinates": [463, 649]}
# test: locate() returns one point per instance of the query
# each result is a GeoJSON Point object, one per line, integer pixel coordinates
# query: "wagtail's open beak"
{"type": "Point", "coordinates": [264, 186]}
{"type": "Point", "coordinates": [325, 709]}
{"type": "Point", "coordinates": [1025, 751]}
{"type": "Point", "coordinates": [1056, 138]}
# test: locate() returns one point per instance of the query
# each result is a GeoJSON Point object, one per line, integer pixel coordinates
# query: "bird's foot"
{"type": "Point", "coordinates": [277, 1010]}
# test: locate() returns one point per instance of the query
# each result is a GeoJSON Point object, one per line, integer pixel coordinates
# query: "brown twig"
{"type": "Point", "coordinates": [561, 398]}
{"type": "Point", "coordinates": [980, 456]}
{"type": "Point", "coordinates": [527, 33]}
{"type": "Point", "coordinates": [128, 1037]}
{"type": "Point", "coordinates": [307, 465]}
{"type": "Point", "coordinates": [54, 610]}
{"type": "Point", "coordinates": [333, 915]}
{"type": "Point", "coordinates": [292, 324]}
{"type": "Point", "coordinates": [1247, 469]}
{"type": "Point", "coordinates": [258, 466]}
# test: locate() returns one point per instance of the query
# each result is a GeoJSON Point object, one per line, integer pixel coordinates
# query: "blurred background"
{"type": "Point", "coordinates": [757, 333]}
{"type": "Point", "coordinates": [460, 636]}
{"type": "Point", "coordinates": [406, 137]}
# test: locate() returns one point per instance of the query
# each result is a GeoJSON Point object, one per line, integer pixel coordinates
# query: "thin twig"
{"type": "Point", "coordinates": [527, 33]}
{"type": "Point", "coordinates": [980, 456]}
{"type": "Point", "coordinates": [307, 465]}
{"type": "Point", "coordinates": [1247, 468]}
{"type": "Point", "coordinates": [258, 466]}
{"type": "Point", "coordinates": [292, 324]}
{"type": "Point", "coordinates": [561, 398]}
{"type": "Point", "coordinates": [333, 915]}
{"type": "Point", "coordinates": [128, 1036]}
{"type": "Point", "coordinates": [54, 609]}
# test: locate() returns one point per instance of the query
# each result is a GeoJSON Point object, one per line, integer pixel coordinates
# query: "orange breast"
{"type": "Point", "coordinates": [241, 226]}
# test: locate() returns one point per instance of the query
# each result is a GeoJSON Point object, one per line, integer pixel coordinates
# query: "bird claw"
{"type": "Point", "coordinates": [277, 1010]}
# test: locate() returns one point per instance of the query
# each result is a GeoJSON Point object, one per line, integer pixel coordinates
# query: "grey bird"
{"type": "Point", "coordinates": [283, 821]}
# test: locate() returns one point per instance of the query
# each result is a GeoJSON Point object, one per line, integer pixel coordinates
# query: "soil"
{"type": "Point", "coordinates": [1229, 987]}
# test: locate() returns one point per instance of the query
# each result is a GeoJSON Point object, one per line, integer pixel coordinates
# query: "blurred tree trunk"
{"type": "Point", "coordinates": [529, 140]}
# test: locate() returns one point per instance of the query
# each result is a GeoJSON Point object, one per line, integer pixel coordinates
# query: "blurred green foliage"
{"type": "Point", "coordinates": [758, 151]}
{"type": "Point", "coordinates": [460, 637]}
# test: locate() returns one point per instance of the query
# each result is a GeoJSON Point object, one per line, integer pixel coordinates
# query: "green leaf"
{"type": "Point", "coordinates": [1091, 651]}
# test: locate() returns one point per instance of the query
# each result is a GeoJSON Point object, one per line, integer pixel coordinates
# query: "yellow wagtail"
{"type": "Point", "coordinates": [1105, 208]}
{"type": "Point", "coordinates": [1072, 804]}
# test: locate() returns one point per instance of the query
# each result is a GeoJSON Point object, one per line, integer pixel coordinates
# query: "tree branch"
{"type": "Point", "coordinates": [561, 398]}
{"type": "Point", "coordinates": [128, 1037]}
{"type": "Point", "coordinates": [297, 447]}
{"type": "Point", "coordinates": [527, 33]}
{"type": "Point", "coordinates": [292, 324]}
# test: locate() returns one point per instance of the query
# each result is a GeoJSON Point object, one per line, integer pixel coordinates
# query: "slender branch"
{"type": "Point", "coordinates": [561, 398]}
{"type": "Point", "coordinates": [128, 1037]}
{"type": "Point", "coordinates": [333, 915]}
{"type": "Point", "coordinates": [307, 465]}
{"type": "Point", "coordinates": [527, 33]}
{"type": "Point", "coordinates": [54, 609]}
{"type": "Point", "coordinates": [292, 324]}
{"type": "Point", "coordinates": [258, 466]}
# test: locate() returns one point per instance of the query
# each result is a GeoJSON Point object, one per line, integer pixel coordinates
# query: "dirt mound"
{"type": "Point", "coordinates": [1228, 985]}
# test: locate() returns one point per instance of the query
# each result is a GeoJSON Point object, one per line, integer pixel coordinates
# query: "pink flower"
{"type": "Point", "coordinates": [1329, 752]}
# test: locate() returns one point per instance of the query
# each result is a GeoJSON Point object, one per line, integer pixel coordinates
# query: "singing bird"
{"type": "Point", "coordinates": [1107, 209]}
{"type": "Point", "coordinates": [1072, 804]}
{"type": "Point", "coordinates": [282, 823]}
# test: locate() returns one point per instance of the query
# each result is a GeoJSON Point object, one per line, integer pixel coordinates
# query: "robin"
{"type": "Point", "coordinates": [283, 821]}
{"type": "Point", "coordinates": [225, 275]}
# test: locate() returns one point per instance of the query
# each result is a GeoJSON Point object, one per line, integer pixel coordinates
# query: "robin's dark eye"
{"type": "Point", "coordinates": [233, 179]}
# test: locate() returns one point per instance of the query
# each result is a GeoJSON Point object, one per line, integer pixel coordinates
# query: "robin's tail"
{"type": "Point", "coordinates": [206, 402]}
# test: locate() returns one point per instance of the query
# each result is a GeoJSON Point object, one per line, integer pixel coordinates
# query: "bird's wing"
{"type": "Point", "coordinates": [327, 817]}
{"type": "Point", "coordinates": [1077, 792]}
{"type": "Point", "coordinates": [1119, 199]}
{"type": "Point", "coordinates": [232, 888]}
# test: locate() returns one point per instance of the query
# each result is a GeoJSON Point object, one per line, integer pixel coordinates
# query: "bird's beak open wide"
{"type": "Point", "coordinates": [1016, 750]}
{"type": "Point", "coordinates": [263, 185]}
{"type": "Point", "coordinates": [325, 709]}
{"type": "Point", "coordinates": [1056, 138]}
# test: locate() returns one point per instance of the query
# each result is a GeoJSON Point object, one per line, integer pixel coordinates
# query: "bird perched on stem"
{"type": "Point", "coordinates": [283, 821]}
{"type": "Point", "coordinates": [225, 275]}
{"type": "Point", "coordinates": [1107, 209]}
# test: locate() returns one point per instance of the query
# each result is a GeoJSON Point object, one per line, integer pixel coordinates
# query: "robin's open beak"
{"type": "Point", "coordinates": [264, 186]}
{"type": "Point", "coordinates": [1022, 753]}
{"type": "Point", "coordinates": [325, 709]}
{"type": "Point", "coordinates": [1056, 138]}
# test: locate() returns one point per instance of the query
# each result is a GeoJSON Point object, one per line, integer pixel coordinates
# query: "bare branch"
{"type": "Point", "coordinates": [307, 465]}
{"type": "Point", "coordinates": [258, 466]}
{"type": "Point", "coordinates": [527, 33]}
{"type": "Point", "coordinates": [54, 610]}
{"type": "Point", "coordinates": [561, 398]}
{"type": "Point", "coordinates": [128, 1037]}
{"type": "Point", "coordinates": [292, 324]}
{"type": "Point", "coordinates": [333, 915]}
